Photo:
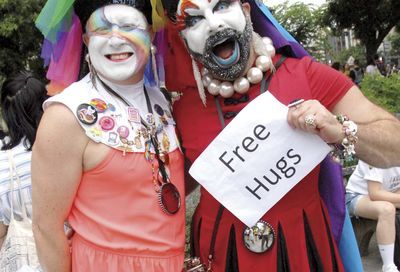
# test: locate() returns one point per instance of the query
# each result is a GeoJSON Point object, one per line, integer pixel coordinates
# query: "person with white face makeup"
{"type": "Point", "coordinates": [229, 52]}
{"type": "Point", "coordinates": [106, 157]}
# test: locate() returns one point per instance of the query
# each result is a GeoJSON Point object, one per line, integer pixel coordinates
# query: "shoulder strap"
{"type": "Point", "coordinates": [266, 80]}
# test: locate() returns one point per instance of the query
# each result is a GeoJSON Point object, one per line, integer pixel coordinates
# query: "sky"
{"type": "Point", "coordinates": [276, 2]}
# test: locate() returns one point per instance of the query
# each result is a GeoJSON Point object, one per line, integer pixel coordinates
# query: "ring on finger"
{"type": "Point", "coordinates": [310, 120]}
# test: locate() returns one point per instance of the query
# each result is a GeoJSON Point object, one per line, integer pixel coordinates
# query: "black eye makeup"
{"type": "Point", "coordinates": [192, 20]}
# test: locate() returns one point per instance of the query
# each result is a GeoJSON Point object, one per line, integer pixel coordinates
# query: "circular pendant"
{"type": "Point", "coordinates": [169, 198]}
{"type": "Point", "coordinates": [259, 238]}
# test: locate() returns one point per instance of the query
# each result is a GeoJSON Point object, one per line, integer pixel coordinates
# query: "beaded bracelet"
{"type": "Point", "coordinates": [345, 150]}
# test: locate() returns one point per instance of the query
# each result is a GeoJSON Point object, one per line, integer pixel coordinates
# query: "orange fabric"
{"type": "Point", "coordinates": [118, 220]}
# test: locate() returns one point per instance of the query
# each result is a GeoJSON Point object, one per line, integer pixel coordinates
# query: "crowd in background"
{"type": "Point", "coordinates": [375, 66]}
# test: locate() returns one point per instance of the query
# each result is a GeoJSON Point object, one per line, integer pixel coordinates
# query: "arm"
{"type": "Point", "coordinates": [376, 128]}
{"type": "Point", "coordinates": [376, 193]}
{"type": "Point", "coordinates": [377, 144]}
{"type": "Point", "coordinates": [3, 233]}
{"type": "Point", "coordinates": [56, 173]}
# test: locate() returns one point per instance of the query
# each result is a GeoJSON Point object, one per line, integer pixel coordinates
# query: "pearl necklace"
{"type": "Point", "coordinates": [242, 84]}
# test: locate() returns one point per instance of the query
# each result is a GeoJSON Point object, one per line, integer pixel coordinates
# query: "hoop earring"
{"type": "Point", "coordinates": [93, 73]}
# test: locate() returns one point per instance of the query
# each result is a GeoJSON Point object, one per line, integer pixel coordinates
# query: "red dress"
{"type": "Point", "coordinates": [304, 241]}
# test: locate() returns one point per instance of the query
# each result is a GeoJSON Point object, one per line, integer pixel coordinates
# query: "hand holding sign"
{"type": "Point", "coordinates": [257, 159]}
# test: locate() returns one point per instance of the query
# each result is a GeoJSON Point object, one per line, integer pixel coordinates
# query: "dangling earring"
{"type": "Point", "coordinates": [93, 74]}
{"type": "Point", "coordinates": [153, 51]}
{"type": "Point", "coordinates": [199, 82]}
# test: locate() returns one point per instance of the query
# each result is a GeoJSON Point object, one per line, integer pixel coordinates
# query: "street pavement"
{"type": "Point", "coordinates": [372, 262]}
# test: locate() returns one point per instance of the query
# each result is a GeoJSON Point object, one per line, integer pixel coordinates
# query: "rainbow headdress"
{"type": "Point", "coordinates": [62, 45]}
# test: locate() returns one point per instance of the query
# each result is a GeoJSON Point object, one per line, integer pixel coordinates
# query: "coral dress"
{"type": "Point", "coordinates": [118, 222]}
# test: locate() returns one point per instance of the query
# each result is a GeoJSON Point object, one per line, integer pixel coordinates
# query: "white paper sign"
{"type": "Point", "coordinates": [257, 159]}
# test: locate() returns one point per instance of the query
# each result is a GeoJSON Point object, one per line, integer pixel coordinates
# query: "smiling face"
{"type": "Point", "coordinates": [118, 42]}
{"type": "Point", "coordinates": [218, 34]}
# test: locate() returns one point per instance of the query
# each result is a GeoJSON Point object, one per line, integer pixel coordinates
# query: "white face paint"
{"type": "Point", "coordinates": [118, 43]}
{"type": "Point", "coordinates": [202, 18]}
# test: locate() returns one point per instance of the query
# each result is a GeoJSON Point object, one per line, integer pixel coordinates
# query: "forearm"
{"type": "Point", "coordinates": [3, 233]}
{"type": "Point", "coordinates": [2, 240]}
{"type": "Point", "coordinates": [378, 144]}
{"type": "Point", "coordinates": [53, 250]}
{"type": "Point", "coordinates": [382, 195]}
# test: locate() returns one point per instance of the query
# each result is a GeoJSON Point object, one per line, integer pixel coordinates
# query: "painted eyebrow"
{"type": "Point", "coordinates": [193, 9]}
{"type": "Point", "coordinates": [193, 12]}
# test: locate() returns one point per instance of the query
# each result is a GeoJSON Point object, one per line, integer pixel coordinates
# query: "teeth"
{"type": "Point", "coordinates": [221, 41]}
{"type": "Point", "coordinates": [119, 56]}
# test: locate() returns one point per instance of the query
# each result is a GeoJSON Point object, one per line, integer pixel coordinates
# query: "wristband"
{"type": "Point", "coordinates": [345, 151]}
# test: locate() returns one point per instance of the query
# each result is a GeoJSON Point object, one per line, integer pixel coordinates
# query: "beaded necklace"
{"type": "Point", "coordinates": [242, 84]}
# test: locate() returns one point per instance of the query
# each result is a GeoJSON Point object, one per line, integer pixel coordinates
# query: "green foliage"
{"type": "Point", "coordinates": [358, 52]}
{"type": "Point", "coordinates": [395, 42]}
{"type": "Point", "coordinates": [371, 20]}
{"type": "Point", "coordinates": [303, 22]}
{"type": "Point", "coordinates": [20, 41]}
{"type": "Point", "coordinates": [384, 91]}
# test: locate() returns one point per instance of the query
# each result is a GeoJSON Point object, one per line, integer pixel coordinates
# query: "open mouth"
{"type": "Point", "coordinates": [119, 56]}
{"type": "Point", "coordinates": [226, 52]}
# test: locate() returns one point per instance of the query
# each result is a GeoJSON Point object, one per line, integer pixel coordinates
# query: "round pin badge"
{"type": "Point", "coordinates": [158, 109]}
{"type": "Point", "coordinates": [123, 131]}
{"type": "Point", "coordinates": [86, 113]}
{"type": "Point", "coordinates": [99, 104]}
{"type": "Point", "coordinates": [106, 123]}
{"type": "Point", "coordinates": [149, 118]}
{"type": "Point", "coordinates": [260, 237]}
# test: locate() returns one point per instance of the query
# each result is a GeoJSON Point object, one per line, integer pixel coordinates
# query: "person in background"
{"type": "Point", "coordinates": [356, 73]}
{"type": "Point", "coordinates": [225, 52]}
{"type": "Point", "coordinates": [21, 100]}
{"type": "Point", "coordinates": [336, 66]}
{"type": "Point", "coordinates": [372, 68]}
{"type": "Point", "coordinates": [346, 69]}
{"type": "Point", "coordinates": [374, 193]}
{"type": "Point", "coordinates": [106, 156]}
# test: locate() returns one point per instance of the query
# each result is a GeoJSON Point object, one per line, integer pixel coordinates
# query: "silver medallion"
{"type": "Point", "coordinates": [259, 238]}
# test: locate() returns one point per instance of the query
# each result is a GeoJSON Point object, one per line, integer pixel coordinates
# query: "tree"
{"type": "Point", "coordinates": [371, 20]}
{"type": "Point", "coordinates": [395, 42]}
{"type": "Point", "coordinates": [20, 41]}
{"type": "Point", "coordinates": [303, 22]}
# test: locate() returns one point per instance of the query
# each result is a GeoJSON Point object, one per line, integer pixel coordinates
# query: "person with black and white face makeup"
{"type": "Point", "coordinates": [232, 46]}
{"type": "Point", "coordinates": [107, 159]}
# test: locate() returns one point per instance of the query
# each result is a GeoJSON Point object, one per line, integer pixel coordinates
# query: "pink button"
{"type": "Point", "coordinates": [106, 123]}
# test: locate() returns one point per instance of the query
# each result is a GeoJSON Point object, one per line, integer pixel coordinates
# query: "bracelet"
{"type": "Point", "coordinates": [345, 151]}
